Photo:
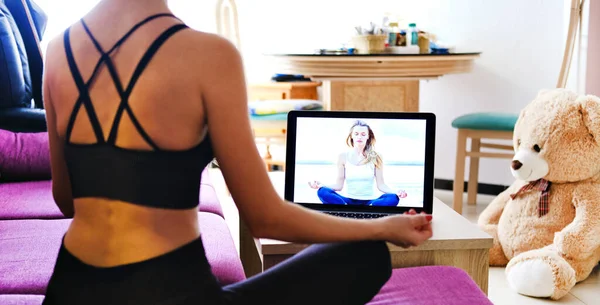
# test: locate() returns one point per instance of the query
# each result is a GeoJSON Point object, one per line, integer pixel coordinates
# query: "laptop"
{"type": "Point", "coordinates": [360, 164]}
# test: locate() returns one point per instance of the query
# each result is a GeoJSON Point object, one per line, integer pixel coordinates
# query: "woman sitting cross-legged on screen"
{"type": "Point", "coordinates": [360, 167]}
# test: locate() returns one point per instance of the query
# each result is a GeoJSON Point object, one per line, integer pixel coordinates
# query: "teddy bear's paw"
{"type": "Point", "coordinates": [540, 273]}
{"type": "Point", "coordinates": [532, 277]}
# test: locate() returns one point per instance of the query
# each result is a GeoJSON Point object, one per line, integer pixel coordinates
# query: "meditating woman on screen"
{"type": "Point", "coordinates": [360, 167]}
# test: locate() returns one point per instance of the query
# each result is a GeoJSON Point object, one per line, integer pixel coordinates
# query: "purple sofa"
{"type": "Point", "coordinates": [32, 227]}
{"type": "Point", "coordinates": [33, 199]}
{"type": "Point", "coordinates": [430, 285]}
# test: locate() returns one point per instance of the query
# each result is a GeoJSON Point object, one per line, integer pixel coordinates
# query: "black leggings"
{"type": "Point", "coordinates": [340, 273]}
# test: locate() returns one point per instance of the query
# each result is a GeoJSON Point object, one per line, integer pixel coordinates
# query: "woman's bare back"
{"type": "Point", "coordinates": [166, 100]}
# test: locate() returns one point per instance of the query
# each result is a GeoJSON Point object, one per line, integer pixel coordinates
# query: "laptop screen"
{"type": "Point", "coordinates": [362, 161]}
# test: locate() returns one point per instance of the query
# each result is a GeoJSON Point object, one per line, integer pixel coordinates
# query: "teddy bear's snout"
{"type": "Point", "coordinates": [528, 165]}
{"type": "Point", "coordinates": [516, 164]}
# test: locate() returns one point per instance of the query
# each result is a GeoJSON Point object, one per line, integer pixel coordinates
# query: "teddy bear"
{"type": "Point", "coordinates": [546, 225]}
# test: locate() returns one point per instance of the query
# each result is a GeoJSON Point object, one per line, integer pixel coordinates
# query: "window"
{"type": "Point", "coordinates": [199, 15]}
{"type": "Point", "coordinates": [61, 14]}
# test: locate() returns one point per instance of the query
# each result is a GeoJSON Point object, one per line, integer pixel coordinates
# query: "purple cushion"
{"type": "Point", "coordinates": [209, 202]}
{"type": "Point", "coordinates": [220, 249]}
{"type": "Point", "coordinates": [27, 200]}
{"type": "Point", "coordinates": [430, 285]}
{"type": "Point", "coordinates": [31, 200]}
{"type": "Point", "coordinates": [29, 250]}
{"type": "Point", "coordinates": [24, 156]}
{"type": "Point", "coordinates": [21, 299]}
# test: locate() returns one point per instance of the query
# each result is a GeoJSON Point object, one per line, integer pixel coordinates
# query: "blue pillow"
{"type": "Point", "coordinates": [15, 79]}
{"type": "Point", "coordinates": [268, 107]}
{"type": "Point", "coordinates": [31, 21]}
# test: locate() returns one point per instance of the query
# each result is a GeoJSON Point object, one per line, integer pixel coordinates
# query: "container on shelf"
{"type": "Point", "coordinates": [402, 50]}
{"type": "Point", "coordinates": [369, 44]}
{"type": "Point", "coordinates": [412, 35]}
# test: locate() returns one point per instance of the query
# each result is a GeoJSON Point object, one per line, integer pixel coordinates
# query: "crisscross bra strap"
{"type": "Point", "coordinates": [124, 105]}
{"type": "Point", "coordinates": [84, 96]}
{"type": "Point", "coordinates": [82, 87]}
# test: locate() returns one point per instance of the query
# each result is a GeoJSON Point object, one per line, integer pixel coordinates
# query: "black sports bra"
{"type": "Point", "coordinates": [154, 178]}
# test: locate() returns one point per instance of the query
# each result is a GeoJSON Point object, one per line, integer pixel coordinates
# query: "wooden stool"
{"type": "Point", "coordinates": [478, 127]}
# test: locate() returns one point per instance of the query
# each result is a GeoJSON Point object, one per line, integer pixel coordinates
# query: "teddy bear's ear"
{"type": "Point", "coordinates": [589, 107]}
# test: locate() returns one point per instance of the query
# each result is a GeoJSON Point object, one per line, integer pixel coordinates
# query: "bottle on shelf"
{"type": "Point", "coordinates": [412, 35]}
{"type": "Point", "coordinates": [392, 34]}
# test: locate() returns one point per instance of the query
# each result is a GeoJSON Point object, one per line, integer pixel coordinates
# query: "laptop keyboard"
{"type": "Point", "coordinates": [357, 215]}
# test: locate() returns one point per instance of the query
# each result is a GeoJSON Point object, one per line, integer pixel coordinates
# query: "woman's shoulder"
{"type": "Point", "coordinates": [209, 54]}
{"type": "Point", "coordinates": [201, 45]}
{"type": "Point", "coordinates": [343, 156]}
{"type": "Point", "coordinates": [208, 43]}
{"type": "Point", "coordinates": [207, 39]}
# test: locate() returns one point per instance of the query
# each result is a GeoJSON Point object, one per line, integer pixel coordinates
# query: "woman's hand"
{"type": "Point", "coordinates": [410, 229]}
{"type": "Point", "coordinates": [401, 194]}
{"type": "Point", "coordinates": [315, 184]}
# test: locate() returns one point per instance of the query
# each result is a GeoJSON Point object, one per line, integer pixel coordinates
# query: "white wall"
{"type": "Point", "coordinates": [522, 44]}
{"type": "Point", "coordinates": [61, 14]}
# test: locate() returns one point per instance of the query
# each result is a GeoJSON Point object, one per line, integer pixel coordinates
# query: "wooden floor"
{"type": "Point", "coordinates": [586, 292]}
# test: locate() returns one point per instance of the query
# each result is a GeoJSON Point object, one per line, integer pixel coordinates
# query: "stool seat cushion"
{"type": "Point", "coordinates": [486, 121]}
{"type": "Point", "coordinates": [430, 285]}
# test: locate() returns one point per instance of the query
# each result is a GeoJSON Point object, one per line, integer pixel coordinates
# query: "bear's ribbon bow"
{"type": "Point", "coordinates": [540, 185]}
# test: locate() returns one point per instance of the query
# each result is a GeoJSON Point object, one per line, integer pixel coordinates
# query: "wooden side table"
{"type": "Point", "coordinates": [456, 242]}
{"type": "Point", "coordinates": [374, 82]}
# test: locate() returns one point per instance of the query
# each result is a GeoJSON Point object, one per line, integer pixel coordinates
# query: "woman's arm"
{"type": "Point", "coordinates": [339, 181]}
{"type": "Point", "coordinates": [384, 188]}
{"type": "Point", "coordinates": [61, 187]}
{"type": "Point", "coordinates": [223, 87]}
{"type": "Point", "coordinates": [340, 177]}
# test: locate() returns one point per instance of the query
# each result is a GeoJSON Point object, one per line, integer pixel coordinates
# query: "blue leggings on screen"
{"type": "Point", "coordinates": [329, 196]}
